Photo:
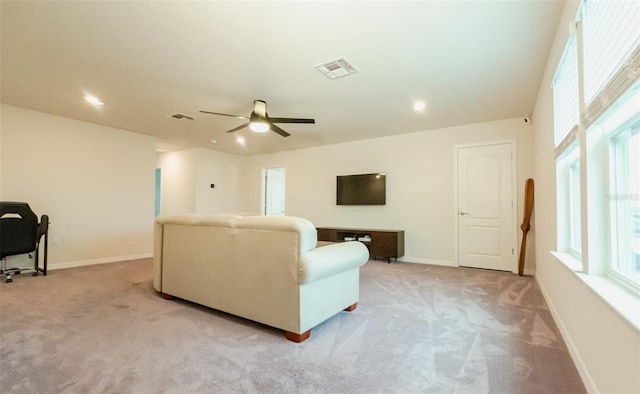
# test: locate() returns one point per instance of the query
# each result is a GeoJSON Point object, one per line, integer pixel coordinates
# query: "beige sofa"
{"type": "Point", "coordinates": [263, 268]}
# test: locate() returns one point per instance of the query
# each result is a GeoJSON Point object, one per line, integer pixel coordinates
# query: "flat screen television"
{"type": "Point", "coordinates": [361, 189]}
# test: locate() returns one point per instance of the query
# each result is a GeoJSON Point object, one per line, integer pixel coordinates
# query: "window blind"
{"type": "Point", "coordinates": [611, 33]}
{"type": "Point", "coordinates": [566, 108]}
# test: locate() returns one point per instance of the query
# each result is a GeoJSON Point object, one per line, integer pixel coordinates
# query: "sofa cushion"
{"type": "Point", "coordinates": [216, 219]}
{"type": "Point", "coordinates": [308, 237]}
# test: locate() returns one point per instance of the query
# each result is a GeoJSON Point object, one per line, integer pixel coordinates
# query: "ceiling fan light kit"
{"type": "Point", "coordinates": [259, 127]}
{"type": "Point", "coordinates": [260, 122]}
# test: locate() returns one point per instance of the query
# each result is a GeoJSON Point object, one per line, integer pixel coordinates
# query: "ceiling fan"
{"type": "Point", "coordinates": [260, 122]}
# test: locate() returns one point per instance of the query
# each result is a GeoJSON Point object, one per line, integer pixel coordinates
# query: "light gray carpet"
{"type": "Point", "coordinates": [417, 329]}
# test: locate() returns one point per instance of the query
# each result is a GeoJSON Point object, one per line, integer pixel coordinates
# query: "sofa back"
{"type": "Point", "coordinates": [247, 266]}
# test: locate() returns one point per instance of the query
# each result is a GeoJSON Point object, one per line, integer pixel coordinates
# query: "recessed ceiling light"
{"type": "Point", "coordinates": [419, 106]}
{"type": "Point", "coordinates": [213, 142]}
{"type": "Point", "coordinates": [93, 100]}
{"type": "Point", "coordinates": [240, 140]}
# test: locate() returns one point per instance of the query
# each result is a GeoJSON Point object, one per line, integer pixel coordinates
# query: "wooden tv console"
{"type": "Point", "coordinates": [385, 244]}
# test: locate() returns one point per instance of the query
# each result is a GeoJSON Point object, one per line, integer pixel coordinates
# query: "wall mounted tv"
{"type": "Point", "coordinates": [361, 189]}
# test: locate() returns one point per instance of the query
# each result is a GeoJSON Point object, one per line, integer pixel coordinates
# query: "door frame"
{"type": "Point", "coordinates": [157, 200]}
{"type": "Point", "coordinates": [514, 193]}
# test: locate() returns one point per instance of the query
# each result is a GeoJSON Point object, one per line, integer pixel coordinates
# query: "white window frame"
{"type": "Point", "coordinates": [620, 199]}
{"type": "Point", "coordinates": [575, 212]}
{"type": "Point", "coordinates": [568, 190]}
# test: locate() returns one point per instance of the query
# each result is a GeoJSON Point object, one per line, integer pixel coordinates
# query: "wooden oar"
{"type": "Point", "coordinates": [528, 207]}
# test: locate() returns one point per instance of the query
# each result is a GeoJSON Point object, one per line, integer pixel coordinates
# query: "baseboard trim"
{"type": "Point", "coordinates": [447, 263]}
{"type": "Point", "coordinates": [83, 263]}
{"type": "Point", "coordinates": [573, 350]}
{"type": "Point", "coordinates": [417, 260]}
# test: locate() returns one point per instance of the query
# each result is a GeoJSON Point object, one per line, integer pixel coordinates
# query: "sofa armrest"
{"type": "Point", "coordinates": [332, 259]}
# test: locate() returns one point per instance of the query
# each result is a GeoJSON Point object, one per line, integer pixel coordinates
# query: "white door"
{"type": "Point", "coordinates": [487, 232]}
{"type": "Point", "coordinates": [274, 192]}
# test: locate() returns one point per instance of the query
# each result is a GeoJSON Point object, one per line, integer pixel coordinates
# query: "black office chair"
{"type": "Point", "coordinates": [20, 233]}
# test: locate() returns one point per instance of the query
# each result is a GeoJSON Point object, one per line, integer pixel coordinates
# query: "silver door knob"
{"type": "Point", "coordinates": [464, 213]}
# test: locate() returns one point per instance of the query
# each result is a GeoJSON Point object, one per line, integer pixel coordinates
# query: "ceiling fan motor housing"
{"type": "Point", "coordinates": [258, 118]}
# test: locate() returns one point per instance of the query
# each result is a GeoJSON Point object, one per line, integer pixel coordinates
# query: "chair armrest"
{"type": "Point", "coordinates": [43, 226]}
{"type": "Point", "coordinates": [332, 259]}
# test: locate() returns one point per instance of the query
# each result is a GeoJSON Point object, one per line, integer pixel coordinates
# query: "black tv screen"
{"type": "Point", "coordinates": [361, 189]}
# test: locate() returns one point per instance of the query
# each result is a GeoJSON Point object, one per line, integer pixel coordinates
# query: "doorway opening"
{"type": "Point", "coordinates": [273, 192]}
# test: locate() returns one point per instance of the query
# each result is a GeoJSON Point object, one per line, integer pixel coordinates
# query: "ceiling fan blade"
{"type": "Point", "coordinates": [291, 120]}
{"type": "Point", "coordinates": [260, 108]}
{"type": "Point", "coordinates": [238, 128]}
{"type": "Point", "coordinates": [279, 130]}
{"type": "Point", "coordinates": [259, 115]}
{"type": "Point", "coordinates": [218, 113]}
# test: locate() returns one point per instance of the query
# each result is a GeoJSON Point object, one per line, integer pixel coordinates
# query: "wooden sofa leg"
{"type": "Point", "coordinates": [352, 307]}
{"type": "Point", "coordinates": [167, 296]}
{"type": "Point", "coordinates": [292, 336]}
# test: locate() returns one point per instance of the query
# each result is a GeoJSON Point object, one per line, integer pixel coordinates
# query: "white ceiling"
{"type": "Point", "coordinates": [471, 61]}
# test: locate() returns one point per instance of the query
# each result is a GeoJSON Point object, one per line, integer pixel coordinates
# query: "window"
{"type": "Point", "coordinates": [611, 32]}
{"type": "Point", "coordinates": [616, 135]}
{"type": "Point", "coordinates": [565, 93]}
{"type": "Point", "coordinates": [624, 146]}
{"type": "Point", "coordinates": [569, 201]}
{"type": "Point", "coordinates": [596, 104]}
{"type": "Point", "coordinates": [565, 120]}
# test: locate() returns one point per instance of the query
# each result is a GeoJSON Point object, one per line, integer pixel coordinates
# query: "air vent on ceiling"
{"type": "Point", "coordinates": [180, 117]}
{"type": "Point", "coordinates": [337, 68]}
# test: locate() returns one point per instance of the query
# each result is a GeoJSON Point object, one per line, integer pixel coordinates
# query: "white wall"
{"type": "Point", "coordinates": [420, 183]}
{"type": "Point", "coordinates": [178, 181]}
{"type": "Point", "coordinates": [187, 176]}
{"type": "Point", "coordinates": [94, 182]}
{"type": "Point", "coordinates": [606, 349]}
{"type": "Point", "coordinates": [223, 170]}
